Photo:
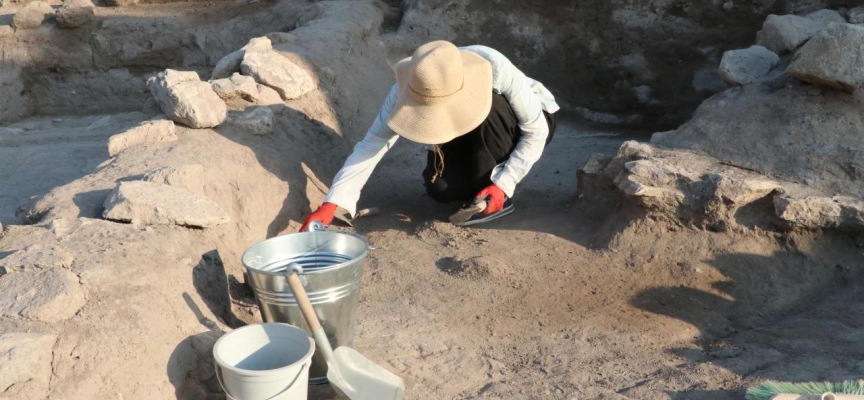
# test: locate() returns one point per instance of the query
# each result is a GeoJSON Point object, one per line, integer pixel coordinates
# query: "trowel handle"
{"type": "Point", "coordinates": [303, 301]}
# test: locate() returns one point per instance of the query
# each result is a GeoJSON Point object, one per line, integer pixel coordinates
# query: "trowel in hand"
{"type": "Point", "coordinates": [468, 210]}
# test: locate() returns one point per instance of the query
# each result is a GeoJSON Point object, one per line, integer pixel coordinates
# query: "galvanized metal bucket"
{"type": "Point", "coordinates": [332, 271]}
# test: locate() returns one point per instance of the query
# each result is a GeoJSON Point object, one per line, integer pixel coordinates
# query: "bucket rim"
{"type": "Point", "coordinates": [251, 372]}
{"type": "Point", "coordinates": [327, 269]}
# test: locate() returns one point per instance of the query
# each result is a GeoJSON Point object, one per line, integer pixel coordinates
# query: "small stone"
{"type": "Point", "coordinates": [6, 31]}
{"type": "Point", "coordinates": [740, 67]}
{"type": "Point", "coordinates": [255, 120]}
{"type": "Point", "coordinates": [237, 87]}
{"type": "Point", "coordinates": [832, 58]}
{"type": "Point", "coordinates": [277, 71]}
{"type": "Point", "coordinates": [49, 295]}
{"type": "Point", "coordinates": [856, 15]}
{"type": "Point", "coordinates": [33, 15]}
{"type": "Point", "coordinates": [146, 203]}
{"type": "Point", "coordinates": [728, 6]}
{"type": "Point", "coordinates": [231, 62]}
{"type": "Point", "coordinates": [26, 364]}
{"type": "Point", "coordinates": [150, 131]}
{"type": "Point", "coordinates": [185, 176]}
{"type": "Point", "coordinates": [37, 256]}
{"type": "Point", "coordinates": [784, 33]}
{"type": "Point", "coordinates": [184, 98]}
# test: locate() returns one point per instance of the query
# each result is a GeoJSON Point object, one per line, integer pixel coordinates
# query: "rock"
{"type": "Point", "coordinates": [282, 37]}
{"type": "Point", "coordinates": [32, 15]}
{"type": "Point", "coordinates": [187, 100]}
{"type": "Point", "coordinates": [787, 134]}
{"type": "Point", "coordinates": [150, 131]}
{"type": "Point", "coordinates": [230, 64]}
{"type": "Point", "coordinates": [237, 87]}
{"type": "Point", "coordinates": [826, 16]}
{"type": "Point", "coordinates": [78, 3]}
{"type": "Point", "coordinates": [592, 167]}
{"type": "Point", "coordinates": [25, 370]}
{"type": "Point", "coordinates": [75, 17]}
{"type": "Point", "coordinates": [6, 31]}
{"type": "Point", "coordinates": [784, 33]}
{"type": "Point", "coordinates": [37, 256]}
{"type": "Point", "coordinates": [49, 295]}
{"type": "Point", "coordinates": [268, 96]}
{"type": "Point", "coordinates": [255, 120]}
{"type": "Point", "coordinates": [821, 212]}
{"type": "Point", "coordinates": [832, 58]}
{"type": "Point", "coordinates": [274, 70]}
{"type": "Point", "coordinates": [146, 203]}
{"type": "Point", "coordinates": [740, 67]}
{"type": "Point", "coordinates": [856, 15]}
{"type": "Point", "coordinates": [742, 191]}
{"type": "Point", "coordinates": [728, 6]}
{"type": "Point", "coordinates": [185, 176]}
{"type": "Point", "coordinates": [120, 3]}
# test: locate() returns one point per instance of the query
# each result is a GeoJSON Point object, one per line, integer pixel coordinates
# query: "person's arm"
{"type": "Point", "coordinates": [516, 88]}
{"type": "Point", "coordinates": [349, 181]}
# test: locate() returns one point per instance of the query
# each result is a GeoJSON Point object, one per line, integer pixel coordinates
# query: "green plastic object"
{"type": "Point", "coordinates": [767, 390]}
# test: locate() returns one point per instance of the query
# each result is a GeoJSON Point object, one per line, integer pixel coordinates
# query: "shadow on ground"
{"type": "Point", "coordinates": [791, 316]}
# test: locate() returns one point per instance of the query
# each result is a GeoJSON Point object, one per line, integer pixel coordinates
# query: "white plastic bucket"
{"type": "Point", "coordinates": [267, 361]}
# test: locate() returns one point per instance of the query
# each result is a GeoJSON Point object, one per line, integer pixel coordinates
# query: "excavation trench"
{"type": "Point", "coordinates": [587, 297]}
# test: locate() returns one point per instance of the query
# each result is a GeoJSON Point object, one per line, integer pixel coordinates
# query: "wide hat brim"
{"type": "Point", "coordinates": [445, 119]}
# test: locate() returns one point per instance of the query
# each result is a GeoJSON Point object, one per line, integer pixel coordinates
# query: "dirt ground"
{"type": "Point", "coordinates": [567, 298]}
{"type": "Point", "coordinates": [571, 297]}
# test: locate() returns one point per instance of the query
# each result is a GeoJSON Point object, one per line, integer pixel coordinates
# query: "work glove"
{"type": "Point", "coordinates": [494, 197]}
{"type": "Point", "coordinates": [324, 213]}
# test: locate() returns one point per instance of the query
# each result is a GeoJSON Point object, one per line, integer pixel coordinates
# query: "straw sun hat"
{"type": "Point", "coordinates": [443, 93]}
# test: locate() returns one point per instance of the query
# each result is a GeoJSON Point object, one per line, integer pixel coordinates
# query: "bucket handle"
{"type": "Point", "coordinates": [290, 385]}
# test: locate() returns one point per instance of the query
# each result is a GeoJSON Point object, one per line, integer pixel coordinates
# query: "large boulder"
{"type": "Point", "coordinates": [185, 176]}
{"type": "Point", "coordinates": [49, 295]}
{"type": "Point", "coordinates": [826, 16]}
{"type": "Point", "coordinates": [146, 203]}
{"type": "Point", "coordinates": [33, 15]}
{"type": "Point", "coordinates": [794, 133]}
{"type": "Point", "coordinates": [834, 57]}
{"type": "Point", "coordinates": [255, 120]}
{"type": "Point", "coordinates": [230, 64]}
{"type": "Point", "coordinates": [277, 71]}
{"type": "Point", "coordinates": [25, 364]}
{"type": "Point", "coordinates": [784, 33]}
{"type": "Point", "coordinates": [184, 98]}
{"type": "Point", "coordinates": [237, 87]}
{"type": "Point", "coordinates": [150, 131]}
{"type": "Point", "coordinates": [740, 67]}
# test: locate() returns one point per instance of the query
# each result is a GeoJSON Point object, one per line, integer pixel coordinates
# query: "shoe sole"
{"type": "Point", "coordinates": [488, 218]}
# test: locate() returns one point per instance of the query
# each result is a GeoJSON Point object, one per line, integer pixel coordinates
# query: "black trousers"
{"type": "Point", "coordinates": [470, 158]}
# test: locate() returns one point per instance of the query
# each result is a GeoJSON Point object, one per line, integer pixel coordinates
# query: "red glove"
{"type": "Point", "coordinates": [495, 199]}
{"type": "Point", "coordinates": [324, 213]}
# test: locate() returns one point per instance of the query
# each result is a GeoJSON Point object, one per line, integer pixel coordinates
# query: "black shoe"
{"type": "Point", "coordinates": [480, 218]}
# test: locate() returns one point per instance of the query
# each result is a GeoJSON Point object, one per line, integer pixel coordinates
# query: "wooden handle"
{"type": "Point", "coordinates": [303, 301]}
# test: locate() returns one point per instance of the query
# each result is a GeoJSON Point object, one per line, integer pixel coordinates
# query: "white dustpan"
{"type": "Point", "coordinates": [349, 372]}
